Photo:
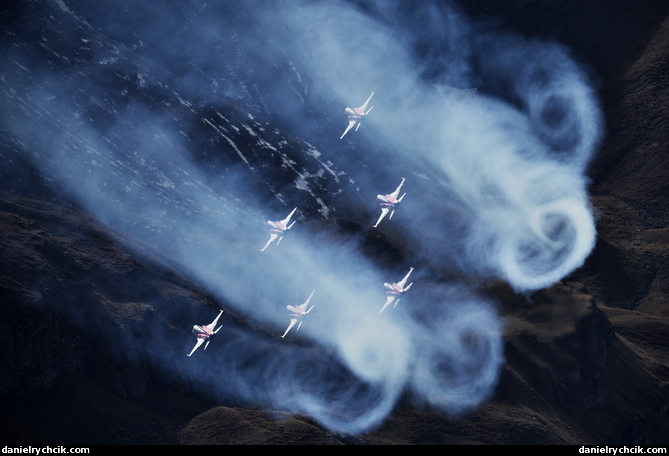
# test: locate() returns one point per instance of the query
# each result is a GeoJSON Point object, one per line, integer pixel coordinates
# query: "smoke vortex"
{"type": "Point", "coordinates": [556, 239]}
{"type": "Point", "coordinates": [378, 355]}
{"type": "Point", "coordinates": [563, 114]}
{"type": "Point", "coordinates": [458, 360]}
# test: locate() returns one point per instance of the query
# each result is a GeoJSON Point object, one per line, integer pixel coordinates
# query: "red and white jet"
{"type": "Point", "coordinates": [278, 229]}
{"type": "Point", "coordinates": [389, 203]}
{"type": "Point", "coordinates": [396, 290]}
{"type": "Point", "coordinates": [205, 333]}
{"type": "Point", "coordinates": [297, 314]}
{"type": "Point", "coordinates": [355, 115]}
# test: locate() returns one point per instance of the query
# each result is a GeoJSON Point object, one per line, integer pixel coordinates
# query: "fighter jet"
{"type": "Point", "coordinates": [389, 203]}
{"type": "Point", "coordinates": [355, 115]}
{"type": "Point", "coordinates": [205, 333]}
{"type": "Point", "coordinates": [278, 229]}
{"type": "Point", "coordinates": [297, 314]}
{"type": "Point", "coordinates": [396, 290]}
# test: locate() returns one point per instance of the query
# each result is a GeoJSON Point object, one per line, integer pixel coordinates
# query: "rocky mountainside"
{"type": "Point", "coordinates": [97, 308]}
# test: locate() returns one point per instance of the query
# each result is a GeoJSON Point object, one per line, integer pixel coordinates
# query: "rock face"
{"type": "Point", "coordinates": [586, 360]}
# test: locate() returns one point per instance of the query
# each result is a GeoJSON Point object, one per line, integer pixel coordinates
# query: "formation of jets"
{"type": "Point", "coordinates": [297, 314]}
{"type": "Point", "coordinates": [278, 229]}
{"type": "Point", "coordinates": [388, 202]}
{"type": "Point", "coordinates": [205, 333]}
{"type": "Point", "coordinates": [355, 115]}
{"type": "Point", "coordinates": [396, 291]}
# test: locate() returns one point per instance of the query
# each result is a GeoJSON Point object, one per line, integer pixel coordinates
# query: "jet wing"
{"type": "Point", "coordinates": [290, 326]}
{"type": "Point", "coordinates": [389, 300]}
{"type": "Point", "coordinates": [397, 190]}
{"type": "Point", "coordinates": [384, 211]}
{"type": "Point", "coordinates": [287, 219]}
{"type": "Point", "coordinates": [404, 280]}
{"type": "Point", "coordinates": [212, 325]}
{"type": "Point", "coordinates": [351, 124]}
{"type": "Point", "coordinates": [364, 106]}
{"type": "Point", "coordinates": [271, 239]}
{"type": "Point", "coordinates": [197, 345]}
{"type": "Point", "coordinates": [304, 306]}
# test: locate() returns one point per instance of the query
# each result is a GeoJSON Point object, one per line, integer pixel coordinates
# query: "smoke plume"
{"type": "Point", "coordinates": [176, 125]}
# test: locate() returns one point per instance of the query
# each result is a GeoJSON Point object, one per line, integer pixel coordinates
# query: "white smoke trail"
{"type": "Point", "coordinates": [514, 153]}
{"type": "Point", "coordinates": [456, 363]}
{"type": "Point", "coordinates": [513, 157]}
{"type": "Point", "coordinates": [535, 224]}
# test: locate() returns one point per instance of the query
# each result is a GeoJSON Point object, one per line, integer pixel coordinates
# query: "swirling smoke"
{"type": "Point", "coordinates": [499, 128]}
